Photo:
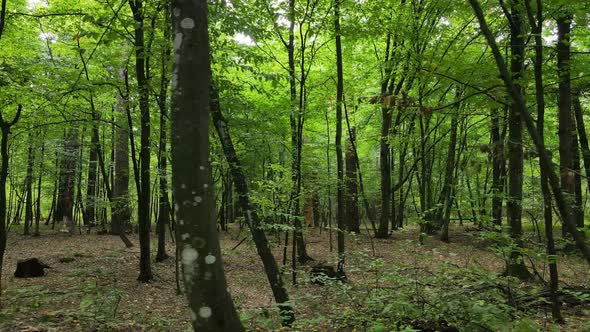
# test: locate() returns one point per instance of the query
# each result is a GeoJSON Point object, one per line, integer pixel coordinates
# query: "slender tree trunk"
{"type": "Point", "coordinates": [295, 124]}
{"type": "Point", "coordinates": [383, 231]}
{"type": "Point", "coordinates": [537, 30]}
{"type": "Point", "coordinates": [498, 162]}
{"type": "Point", "coordinates": [340, 217]}
{"type": "Point", "coordinates": [89, 215]}
{"type": "Point", "coordinates": [29, 188]}
{"type": "Point", "coordinates": [368, 210]}
{"type": "Point", "coordinates": [68, 179]}
{"type": "Point", "coordinates": [55, 193]}
{"type": "Point", "coordinates": [566, 155]}
{"type": "Point", "coordinates": [578, 208]}
{"type": "Point", "coordinates": [40, 181]}
{"type": "Point", "coordinates": [352, 208]}
{"type": "Point", "coordinates": [446, 198]}
{"type": "Point", "coordinates": [163, 199]}
{"type": "Point", "coordinates": [143, 197]}
{"type": "Point", "coordinates": [425, 185]}
{"type": "Point", "coordinates": [5, 129]}
{"type": "Point", "coordinates": [121, 212]}
{"type": "Point", "coordinates": [515, 265]}
{"type": "Point", "coordinates": [251, 216]}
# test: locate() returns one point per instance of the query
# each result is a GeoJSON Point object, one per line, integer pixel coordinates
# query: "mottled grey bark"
{"type": "Point", "coordinates": [212, 308]}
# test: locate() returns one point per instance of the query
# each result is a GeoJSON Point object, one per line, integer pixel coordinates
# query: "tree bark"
{"type": "Point", "coordinates": [29, 188]}
{"type": "Point", "coordinates": [577, 208]}
{"type": "Point", "coordinates": [121, 212]}
{"type": "Point", "coordinates": [68, 179]}
{"type": "Point", "coordinates": [5, 129]}
{"type": "Point", "coordinates": [212, 308]}
{"type": "Point", "coordinates": [515, 265]}
{"type": "Point", "coordinates": [352, 208]}
{"type": "Point", "coordinates": [143, 197]}
{"type": "Point", "coordinates": [498, 168]}
{"type": "Point", "coordinates": [564, 115]}
{"type": "Point", "coordinates": [537, 30]}
{"type": "Point", "coordinates": [40, 181]}
{"type": "Point", "coordinates": [163, 199]}
{"type": "Point", "coordinates": [296, 144]}
{"type": "Point", "coordinates": [89, 215]}
{"type": "Point", "coordinates": [446, 198]}
{"type": "Point", "coordinates": [340, 209]}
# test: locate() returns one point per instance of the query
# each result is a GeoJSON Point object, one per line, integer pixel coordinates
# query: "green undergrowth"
{"type": "Point", "coordinates": [446, 297]}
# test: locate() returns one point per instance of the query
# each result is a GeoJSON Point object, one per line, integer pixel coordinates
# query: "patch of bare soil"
{"type": "Point", "coordinates": [91, 285]}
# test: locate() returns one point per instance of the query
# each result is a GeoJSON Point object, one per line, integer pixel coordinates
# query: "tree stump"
{"type": "Point", "coordinates": [30, 268]}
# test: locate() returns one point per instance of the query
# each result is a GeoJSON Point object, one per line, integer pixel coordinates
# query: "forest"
{"type": "Point", "coordinates": [294, 165]}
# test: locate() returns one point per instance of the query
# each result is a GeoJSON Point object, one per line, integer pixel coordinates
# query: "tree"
{"type": "Point", "coordinates": [565, 115]}
{"type": "Point", "coordinates": [537, 30]}
{"type": "Point", "coordinates": [516, 266]}
{"type": "Point", "coordinates": [143, 192]}
{"type": "Point", "coordinates": [210, 302]}
{"type": "Point", "coordinates": [340, 217]}
{"type": "Point", "coordinates": [121, 213]}
{"type": "Point", "coordinates": [5, 128]}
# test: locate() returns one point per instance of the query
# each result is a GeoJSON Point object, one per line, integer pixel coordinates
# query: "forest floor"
{"type": "Point", "coordinates": [91, 285]}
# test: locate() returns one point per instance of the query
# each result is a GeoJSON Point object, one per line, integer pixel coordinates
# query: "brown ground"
{"type": "Point", "coordinates": [98, 291]}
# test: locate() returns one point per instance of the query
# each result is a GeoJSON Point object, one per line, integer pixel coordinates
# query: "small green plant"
{"type": "Point", "coordinates": [99, 303]}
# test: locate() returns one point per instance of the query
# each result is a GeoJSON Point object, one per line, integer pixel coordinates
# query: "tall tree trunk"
{"type": "Point", "coordinates": [121, 213]}
{"type": "Point", "coordinates": [446, 198]}
{"type": "Point", "coordinates": [340, 210]}
{"type": "Point", "coordinates": [5, 129]}
{"type": "Point", "coordinates": [60, 203]}
{"type": "Point", "coordinates": [352, 208]}
{"type": "Point", "coordinates": [68, 179]}
{"type": "Point", "coordinates": [564, 115]}
{"type": "Point", "coordinates": [39, 183]}
{"type": "Point", "coordinates": [29, 188]}
{"type": "Point", "coordinates": [295, 124]}
{"type": "Point", "coordinates": [143, 197]}
{"type": "Point", "coordinates": [498, 168]}
{"type": "Point", "coordinates": [515, 265]}
{"type": "Point", "coordinates": [212, 308]}
{"type": "Point", "coordinates": [384, 148]}
{"type": "Point", "coordinates": [425, 185]}
{"type": "Point", "coordinates": [89, 215]}
{"type": "Point", "coordinates": [578, 208]}
{"type": "Point", "coordinates": [537, 30]}
{"type": "Point", "coordinates": [163, 199]}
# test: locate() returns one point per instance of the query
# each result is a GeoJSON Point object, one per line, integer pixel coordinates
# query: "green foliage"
{"type": "Point", "coordinates": [99, 303]}
{"type": "Point", "coordinates": [414, 298]}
